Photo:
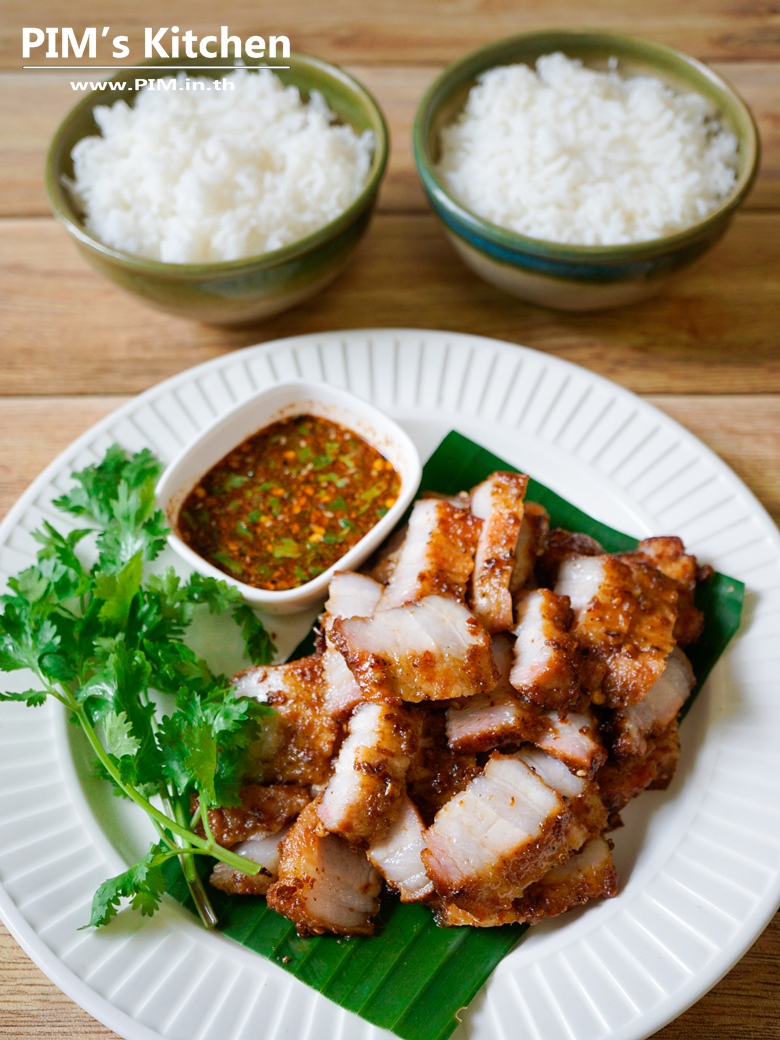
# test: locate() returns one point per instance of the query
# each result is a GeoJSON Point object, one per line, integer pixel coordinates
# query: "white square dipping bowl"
{"type": "Point", "coordinates": [280, 402]}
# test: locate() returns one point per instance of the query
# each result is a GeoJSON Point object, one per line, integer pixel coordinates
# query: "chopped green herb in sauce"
{"type": "Point", "coordinates": [288, 502]}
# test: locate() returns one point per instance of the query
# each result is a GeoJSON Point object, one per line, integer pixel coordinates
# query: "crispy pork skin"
{"type": "Point", "coordinates": [324, 885]}
{"type": "Point", "coordinates": [437, 555]}
{"type": "Point", "coordinates": [431, 650]}
{"type": "Point", "coordinates": [545, 654]}
{"type": "Point", "coordinates": [397, 855]}
{"type": "Point", "coordinates": [505, 830]}
{"type": "Point", "coordinates": [364, 794]}
{"type": "Point", "coordinates": [498, 502]}
{"type": "Point", "coordinates": [588, 874]}
{"type": "Point", "coordinates": [299, 741]}
{"type": "Point", "coordinates": [624, 616]}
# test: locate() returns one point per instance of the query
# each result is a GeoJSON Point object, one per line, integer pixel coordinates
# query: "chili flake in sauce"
{"type": "Point", "coordinates": [288, 502]}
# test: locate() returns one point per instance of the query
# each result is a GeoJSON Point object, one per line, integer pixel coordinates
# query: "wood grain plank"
{"type": "Point", "coordinates": [33, 103]}
{"type": "Point", "coordinates": [32, 1008]}
{"type": "Point", "coordinates": [33, 432]}
{"type": "Point", "coordinates": [409, 31]}
{"type": "Point", "coordinates": [67, 330]}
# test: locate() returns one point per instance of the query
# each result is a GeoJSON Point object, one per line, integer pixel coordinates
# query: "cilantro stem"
{"type": "Point", "coordinates": [192, 877]}
{"type": "Point", "coordinates": [204, 816]}
{"type": "Point", "coordinates": [193, 842]}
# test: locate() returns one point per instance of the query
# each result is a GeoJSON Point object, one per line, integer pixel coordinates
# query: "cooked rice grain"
{"type": "Point", "coordinates": [568, 154]}
{"type": "Point", "coordinates": [193, 176]}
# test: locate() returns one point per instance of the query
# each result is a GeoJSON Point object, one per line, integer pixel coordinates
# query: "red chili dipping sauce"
{"type": "Point", "coordinates": [288, 502]}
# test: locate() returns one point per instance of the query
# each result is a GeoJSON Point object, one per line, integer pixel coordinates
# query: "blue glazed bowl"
{"type": "Point", "coordinates": [578, 277]}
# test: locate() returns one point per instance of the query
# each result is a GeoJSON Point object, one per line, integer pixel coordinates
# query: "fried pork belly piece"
{"type": "Point", "coordinates": [587, 815]}
{"type": "Point", "coordinates": [621, 780]}
{"type": "Point", "coordinates": [545, 654]}
{"type": "Point", "coordinates": [298, 743]}
{"type": "Point", "coordinates": [324, 885]}
{"type": "Point", "coordinates": [624, 615]}
{"type": "Point", "coordinates": [434, 649]}
{"type": "Point", "coordinates": [437, 555]}
{"type": "Point", "coordinates": [490, 720]}
{"type": "Point", "coordinates": [631, 727]}
{"type": "Point", "coordinates": [505, 830]}
{"type": "Point", "coordinates": [342, 693]}
{"type": "Point", "coordinates": [461, 501]}
{"type": "Point", "coordinates": [436, 772]}
{"type": "Point", "coordinates": [530, 545]}
{"type": "Point", "coordinates": [350, 595]}
{"type": "Point", "coordinates": [263, 809]}
{"type": "Point", "coordinates": [260, 848]}
{"type": "Point", "coordinates": [669, 556]}
{"type": "Point", "coordinates": [560, 544]}
{"type": "Point", "coordinates": [397, 855]}
{"type": "Point", "coordinates": [502, 717]}
{"type": "Point", "coordinates": [573, 737]}
{"type": "Point", "coordinates": [381, 564]}
{"type": "Point", "coordinates": [588, 874]}
{"type": "Point", "coordinates": [498, 503]}
{"type": "Point", "coordinates": [364, 794]}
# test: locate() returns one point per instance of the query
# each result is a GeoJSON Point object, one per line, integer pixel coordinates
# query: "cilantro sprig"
{"type": "Point", "coordinates": [108, 642]}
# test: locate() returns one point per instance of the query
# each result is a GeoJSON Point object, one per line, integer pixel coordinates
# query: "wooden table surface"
{"type": "Point", "coordinates": [73, 348]}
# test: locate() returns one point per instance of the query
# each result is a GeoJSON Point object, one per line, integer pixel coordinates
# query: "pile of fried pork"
{"type": "Point", "coordinates": [484, 700]}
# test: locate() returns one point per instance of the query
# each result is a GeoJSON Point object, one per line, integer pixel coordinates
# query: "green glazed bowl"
{"type": "Point", "coordinates": [237, 291]}
{"type": "Point", "coordinates": [577, 277]}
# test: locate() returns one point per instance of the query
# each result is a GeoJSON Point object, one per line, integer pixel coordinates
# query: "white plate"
{"type": "Point", "coordinates": [700, 863]}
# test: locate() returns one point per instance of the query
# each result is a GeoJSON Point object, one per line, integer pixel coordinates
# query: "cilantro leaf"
{"type": "Point", "coordinates": [96, 486]}
{"type": "Point", "coordinates": [191, 750]}
{"type": "Point", "coordinates": [135, 525]}
{"type": "Point", "coordinates": [118, 735]}
{"type": "Point", "coordinates": [117, 590]}
{"type": "Point", "coordinates": [29, 639]}
{"type": "Point", "coordinates": [142, 884]}
{"type": "Point", "coordinates": [217, 595]}
{"type": "Point", "coordinates": [32, 698]}
{"type": "Point", "coordinates": [259, 644]}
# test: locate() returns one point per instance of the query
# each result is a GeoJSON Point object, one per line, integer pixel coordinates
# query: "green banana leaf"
{"type": "Point", "coordinates": [413, 977]}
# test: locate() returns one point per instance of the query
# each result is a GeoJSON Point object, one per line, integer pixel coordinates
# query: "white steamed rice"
{"type": "Point", "coordinates": [192, 176]}
{"type": "Point", "coordinates": [569, 154]}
